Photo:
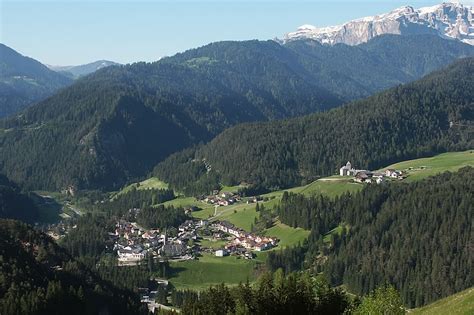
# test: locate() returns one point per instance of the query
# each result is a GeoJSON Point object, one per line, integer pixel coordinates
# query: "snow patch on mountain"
{"type": "Point", "coordinates": [448, 20]}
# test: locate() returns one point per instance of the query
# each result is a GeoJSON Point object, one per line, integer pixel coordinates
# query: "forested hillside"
{"type": "Point", "coordinates": [385, 61]}
{"type": "Point", "coordinates": [14, 204]}
{"type": "Point", "coordinates": [432, 115]}
{"type": "Point", "coordinates": [39, 277]}
{"type": "Point", "coordinates": [415, 236]}
{"type": "Point", "coordinates": [118, 123]}
{"type": "Point", "coordinates": [24, 81]}
{"type": "Point", "coordinates": [272, 294]}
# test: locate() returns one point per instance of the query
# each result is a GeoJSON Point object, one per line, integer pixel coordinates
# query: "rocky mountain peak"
{"type": "Point", "coordinates": [448, 20]}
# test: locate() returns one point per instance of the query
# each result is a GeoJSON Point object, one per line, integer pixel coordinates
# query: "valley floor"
{"type": "Point", "coordinates": [208, 269]}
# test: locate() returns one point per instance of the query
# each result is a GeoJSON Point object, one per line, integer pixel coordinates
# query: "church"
{"type": "Point", "coordinates": [347, 170]}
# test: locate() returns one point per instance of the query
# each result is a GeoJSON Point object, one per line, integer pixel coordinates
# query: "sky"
{"type": "Point", "coordinates": [72, 32]}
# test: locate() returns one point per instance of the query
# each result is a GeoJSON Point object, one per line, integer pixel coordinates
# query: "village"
{"type": "Point", "coordinates": [133, 243]}
{"type": "Point", "coordinates": [370, 177]}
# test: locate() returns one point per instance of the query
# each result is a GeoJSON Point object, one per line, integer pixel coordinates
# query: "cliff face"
{"type": "Point", "coordinates": [448, 20]}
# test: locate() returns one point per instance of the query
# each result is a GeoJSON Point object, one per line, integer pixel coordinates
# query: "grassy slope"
{"type": "Point", "coordinates": [149, 183]}
{"type": "Point", "coordinates": [329, 186]}
{"type": "Point", "coordinates": [212, 270]}
{"type": "Point", "coordinates": [214, 244]}
{"type": "Point", "coordinates": [422, 168]}
{"type": "Point", "coordinates": [461, 303]}
{"type": "Point", "coordinates": [288, 236]}
{"type": "Point", "coordinates": [336, 231]}
{"type": "Point", "coordinates": [243, 215]}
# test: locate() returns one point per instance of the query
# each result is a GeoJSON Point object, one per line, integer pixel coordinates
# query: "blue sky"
{"type": "Point", "coordinates": [75, 32]}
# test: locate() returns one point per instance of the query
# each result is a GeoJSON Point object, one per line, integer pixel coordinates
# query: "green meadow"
{"type": "Point", "coordinates": [424, 167]}
{"type": "Point", "coordinates": [288, 236]}
{"type": "Point", "coordinates": [211, 270]}
{"type": "Point", "coordinates": [329, 186]}
{"type": "Point", "coordinates": [150, 183]}
{"type": "Point", "coordinates": [461, 303]}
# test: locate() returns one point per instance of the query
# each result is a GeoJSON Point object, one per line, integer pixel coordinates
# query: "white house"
{"type": "Point", "coordinates": [393, 173]}
{"type": "Point", "coordinates": [379, 179]}
{"type": "Point", "coordinates": [135, 254]}
{"type": "Point", "coordinates": [221, 253]}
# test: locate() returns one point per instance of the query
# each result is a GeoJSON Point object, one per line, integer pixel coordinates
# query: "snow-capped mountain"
{"type": "Point", "coordinates": [448, 20]}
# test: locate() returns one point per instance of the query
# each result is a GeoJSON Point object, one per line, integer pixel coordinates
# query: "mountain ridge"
{"type": "Point", "coordinates": [24, 81]}
{"type": "Point", "coordinates": [116, 124]}
{"type": "Point", "coordinates": [83, 69]}
{"type": "Point", "coordinates": [428, 116]}
{"type": "Point", "coordinates": [447, 20]}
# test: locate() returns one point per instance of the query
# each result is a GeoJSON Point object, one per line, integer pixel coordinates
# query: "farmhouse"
{"type": "Point", "coordinates": [190, 209]}
{"type": "Point", "coordinates": [363, 177]}
{"type": "Point", "coordinates": [221, 199]}
{"type": "Point", "coordinates": [226, 194]}
{"type": "Point", "coordinates": [393, 173]}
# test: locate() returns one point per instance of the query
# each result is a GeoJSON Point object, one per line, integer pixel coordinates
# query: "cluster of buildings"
{"type": "Point", "coordinates": [242, 241]}
{"type": "Point", "coordinates": [369, 177]}
{"type": "Point", "coordinates": [133, 243]}
{"type": "Point", "coordinates": [221, 198]}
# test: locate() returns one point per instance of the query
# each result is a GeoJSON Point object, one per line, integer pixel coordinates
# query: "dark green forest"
{"type": "Point", "coordinates": [272, 294]}
{"type": "Point", "coordinates": [161, 217]}
{"type": "Point", "coordinates": [118, 123]}
{"type": "Point", "coordinates": [415, 236]}
{"type": "Point", "coordinates": [39, 277]}
{"type": "Point", "coordinates": [294, 293]}
{"type": "Point", "coordinates": [136, 198]}
{"type": "Point", "coordinates": [432, 115]}
{"type": "Point", "coordinates": [14, 204]}
{"type": "Point", "coordinates": [89, 238]}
